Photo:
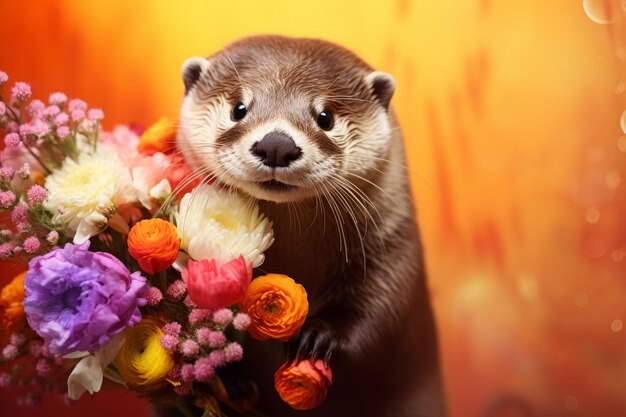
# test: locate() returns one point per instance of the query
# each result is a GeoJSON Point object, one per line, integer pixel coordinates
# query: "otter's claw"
{"type": "Point", "coordinates": [317, 339]}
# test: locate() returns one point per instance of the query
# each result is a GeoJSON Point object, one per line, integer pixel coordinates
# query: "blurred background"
{"type": "Point", "coordinates": [511, 115]}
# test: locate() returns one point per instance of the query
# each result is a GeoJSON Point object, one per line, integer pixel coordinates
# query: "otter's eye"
{"type": "Point", "coordinates": [239, 111]}
{"type": "Point", "coordinates": [325, 120]}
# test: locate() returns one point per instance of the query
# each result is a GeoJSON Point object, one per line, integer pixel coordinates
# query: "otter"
{"type": "Point", "coordinates": [305, 127]}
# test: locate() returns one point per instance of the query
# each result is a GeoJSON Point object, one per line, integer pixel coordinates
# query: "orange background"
{"type": "Point", "coordinates": [510, 111]}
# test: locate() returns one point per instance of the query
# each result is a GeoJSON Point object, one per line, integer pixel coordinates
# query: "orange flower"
{"type": "Point", "coordinates": [154, 243]}
{"type": "Point", "coordinates": [277, 307]}
{"type": "Point", "coordinates": [159, 137]}
{"type": "Point", "coordinates": [303, 385]}
{"type": "Point", "coordinates": [11, 309]}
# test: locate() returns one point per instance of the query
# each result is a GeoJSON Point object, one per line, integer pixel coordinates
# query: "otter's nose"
{"type": "Point", "coordinates": [276, 149]}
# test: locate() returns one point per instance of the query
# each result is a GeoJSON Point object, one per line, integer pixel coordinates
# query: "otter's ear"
{"type": "Point", "coordinates": [382, 85]}
{"type": "Point", "coordinates": [192, 69]}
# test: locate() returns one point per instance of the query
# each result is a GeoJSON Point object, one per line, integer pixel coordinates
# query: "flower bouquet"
{"type": "Point", "coordinates": [139, 270]}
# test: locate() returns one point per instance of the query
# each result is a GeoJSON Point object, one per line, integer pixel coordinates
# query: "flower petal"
{"type": "Point", "coordinates": [86, 376]}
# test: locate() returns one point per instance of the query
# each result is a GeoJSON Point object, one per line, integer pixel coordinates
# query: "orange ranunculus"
{"type": "Point", "coordinates": [303, 385]}
{"type": "Point", "coordinates": [154, 243]}
{"type": "Point", "coordinates": [11, 309]}
{"type": "Point", "coordinates": [277, 307]}
{"type": "Point", "coordinates": [160, 137]}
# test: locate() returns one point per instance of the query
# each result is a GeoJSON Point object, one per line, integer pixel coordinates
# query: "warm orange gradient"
{"type": "Point", "coordinates": [510, 111]}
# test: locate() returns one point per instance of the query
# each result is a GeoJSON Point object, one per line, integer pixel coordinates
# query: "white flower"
{"type": "Point", "coordinates": [217, 224]}
{"type": "Point", "coordinates": [90, 190]}
{"type": "Point", "coordinates": [89, 372]}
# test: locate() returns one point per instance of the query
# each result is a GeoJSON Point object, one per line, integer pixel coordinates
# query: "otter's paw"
{"type": "Point", "coordinates": [317, 339]}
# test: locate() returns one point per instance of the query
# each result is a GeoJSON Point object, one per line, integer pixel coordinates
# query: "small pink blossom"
{"type": "Point", "coordinates": [202, 369]}
{"type": "Point", "coordinates": [217, 358]}
{"type": "Point", "coordinates": [35, 348]}
{"type": "Point", "coordinates": [61, 119]}
{"type": "Point", "coordinates": [17, 339]}
{"type": "Point", "coordinates": [6, 233]}
{"type": "Point", "coordinates": [6, 249]}
{"type": "Point", "coordinates": [36, 194]}
{"type": "Point", "coordinates": [52, 237]}
{"type": "Point", "coordinates": [19, 213]}
{"type": "Point", "coordinates": [58, 99]}
{"type": "Point", "coordinates": [43, 367]}
{"type": "Point", "coordinates": [77, 115]}
{"type": "Point", "coordinates": [6, 380]}
{"type": "Point", "coordinates": [170, 342]}
{"type": "Point", "coordinates": [26, 129]}
{"type": "Point", "coordinates": [17, 250]}
{"type": "Point", "coordinates": [31, 244]}
{"type": "Point", "coordinates": [63, 132]}
{"type": "Point", "coordinates": [77, 104]}
{"type": "Point", "coordinates": [223, 317]}
{"type": "Point", "coordinates": [186, 372]}
{"type": "Point", "coordinates": [176, 290]}
{"type": "Point", "coordinates": [20, 92]}
{"type": "Point", "coordinates": [22, 227]}
{"type": "Point", "coordinates": [212, 338]}
{"type": "Point", "coordinates": [24, 171]}
{"type": "Point", "coordinates": [95, 115]}
{"type": "Point", "coordinates": [198, 314]}
{"type": "Point", "coordinates": [233, 352]}
{"type": "Point", "coordinates": [188, 302]}
{"type": "Point", "coordinates": [3, 77]}
{"type": "Point", "coordinates": [154, 296]}
{"type": "Point", "coordinates": [12, 139]}
{"type": "Point", "coordinates": [172, 328]}
{"type": "Point", "coordinates": [35, 109]}
{"type": "Point", "coordinates": [10, 352]}
{"type": "Point", "coordinates": [241, 322]}
{"type": "Point", "coordinates": [7, 198]}
{"type": "Point", "coordinates": [51, 111]}
{"type": "Point", "coordinates": [189, 348]}
{"type": "Point", "coordinates": [6, 173]}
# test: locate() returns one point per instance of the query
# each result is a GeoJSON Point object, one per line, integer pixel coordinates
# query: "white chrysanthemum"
{"type": "Point", "coordinates": [219, 224]}
{"type": "Point", "coordinates": [86, 193]}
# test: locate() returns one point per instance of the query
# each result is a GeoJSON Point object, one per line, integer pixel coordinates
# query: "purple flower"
{"type": "Point", "coordinates": [78, 300]}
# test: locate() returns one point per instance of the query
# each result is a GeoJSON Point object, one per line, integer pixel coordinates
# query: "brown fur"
{"type": "Point", "coordinates": [370, 310]}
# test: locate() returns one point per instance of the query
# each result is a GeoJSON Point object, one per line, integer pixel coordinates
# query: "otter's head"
{"type": "Point", "coordinates": [283, 119]}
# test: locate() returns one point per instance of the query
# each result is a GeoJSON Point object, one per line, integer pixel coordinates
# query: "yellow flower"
{"type": "Point", "coordinates": [159, 137]}
{"type": "Point", "coordinates": [142, 362]}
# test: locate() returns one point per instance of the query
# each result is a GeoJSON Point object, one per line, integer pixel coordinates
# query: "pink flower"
{"type": "Point", "coordinates": [188, 302]}
{"type": "Point", "coordinates": [36, 194]}
{"type": "Point", "coordinates": [63, 131]}
{"type": "Point", "coordinates": [35, 109]}
{"type": "Point", "coordinates": [189, 348]}
{"type": "Point", "coordinates": [198, 314]}
{"type": "Point", "coordinates": [52, 237]}
{"type": "Point", "coordinates": [186, 372]}
{"type": "Point", "coordinates": [17, 339]}
{"type": "Point", "coordinates": [7, 198]}
{"type": "Point", "coordinates": [170, 342]}
{"type": "Point", "coordinates": [19, 213]}
{"type": "Point", "coordinates": [20, 92]}
{"type": "Point", "coordinates": [95, 115]}
{"type": "Point", "coordinates": [212, 284]}
{"type": "Point", "coordinates": [172, 328]}
{"type": "Point", "coordinates": [212, 338]}
{"type": "Point", "coordinates": [154, 296]}
{"type": "Point", "coordinates": [77, 115]}
{"type": "Point", "coordinates": [10, 352]}
{"type": "Point", "coordinates": [217, 358]}
{"type": "Point", "coordinates": [223, 317]}
{"type": "Point", "coordinates": [51, 111]}
{"type": "Point", "coordinates": [58, 99]}
{"type": "Point", "coordinates": [176, 290]}
{"type": "Point", "coordinates": [6, 173]}
{"type": "Point", "coordinates": [61, 119]}
{"type": "Point", "coordinates": [31, 244]}
{"type": "Point", "coordinates": [3, 77]}
{"type": "Point", "coordinates": [241, 321]}
{"type": "Point", "coordinates": [77, 104]}
{"type": "Point", "coordinates": [12, 139]}
{"type": "Point", "coordinates": [202, 369]}
{"type": "Point", "coordinates": [43, 367]}
{"type": "Point", "coordinates": [233, 352]}
{"type": "Point", "coordinates": [6, 249]}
